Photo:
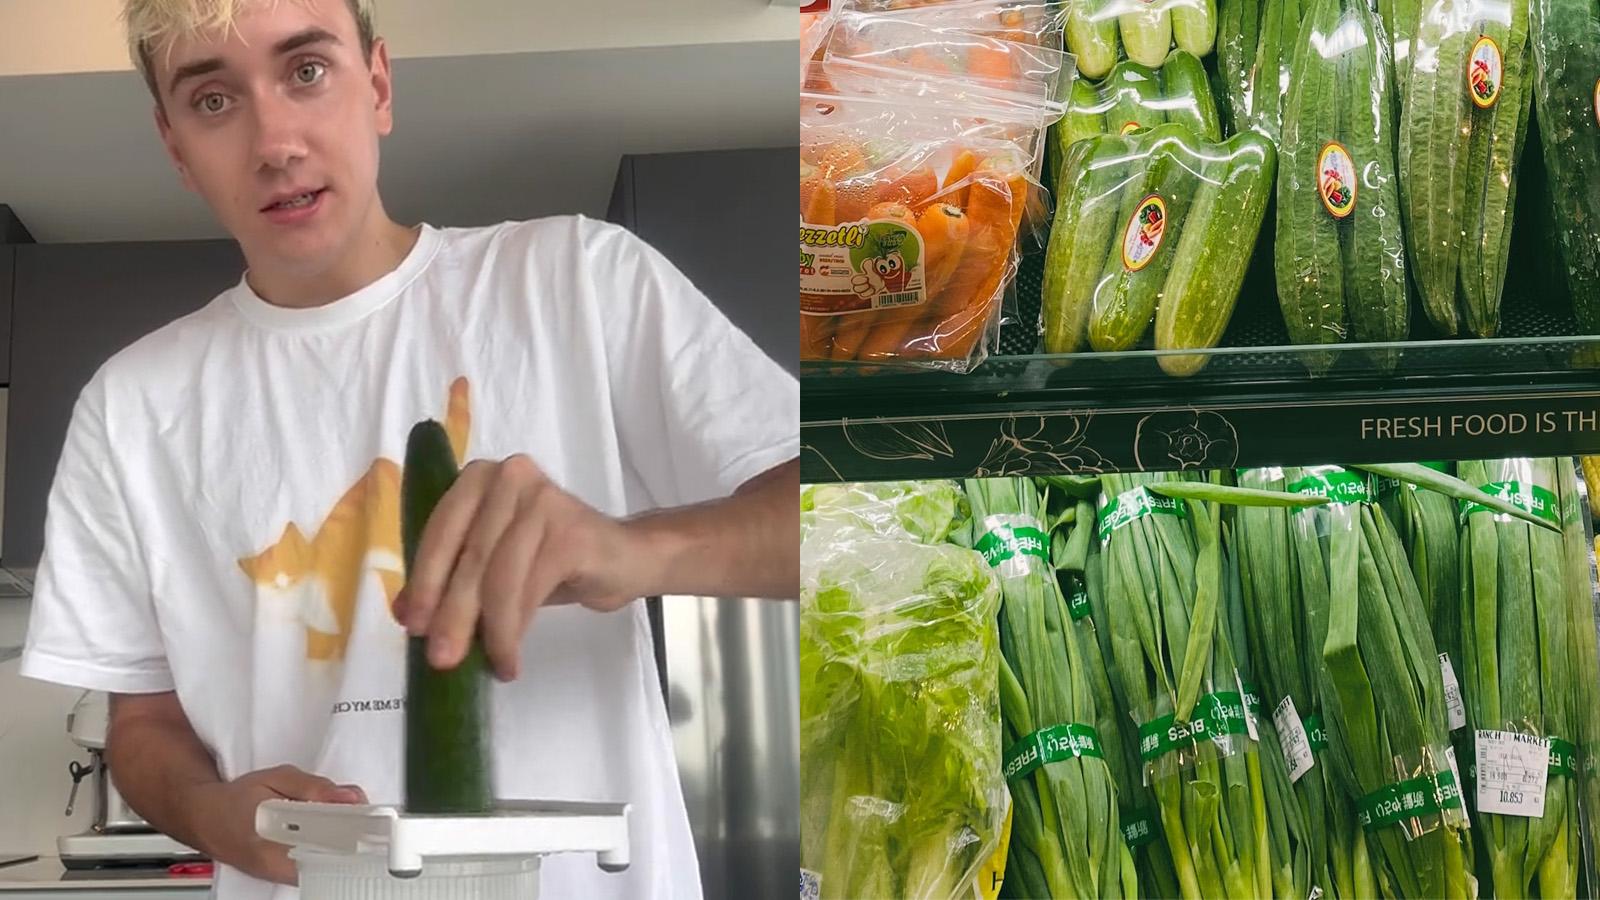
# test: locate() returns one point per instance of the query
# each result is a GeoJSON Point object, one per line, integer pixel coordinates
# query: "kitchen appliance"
{"type": "Point", "coordinates": [344, 851]}
{"type": "Point", "coordinates": [117, 836]}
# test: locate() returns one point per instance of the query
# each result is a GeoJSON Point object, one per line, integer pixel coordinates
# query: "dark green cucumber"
{"type": "Point", "coordinates": [1376, 298]}
{"type": "Point", "coordinates": [448, 763]}
{"type": "Point", "coordinates": [1237, 29]}
{"type": "Point", "coordinates": [1566, 42]}
{"type": "Point", "coordinates": [1126, 300]}
{"type": "Point", "coordinates": [1186, 96]}
{"type": "Point", "coordinates": [1213, 250]}
{"type": "Point", "coordinates": [1093, 181]}
{"type": "Point", "coordinates": [1085, 118]}
{"type": "Point", "coordinates": [1269, 55]}
{"type": "Point", "coordinates": [1092, 37]}
{"type": "Point", "coordinates": [1400, 24]}
{"type": "Point", "coordinates": [1194, 26]}
{"type": "Point", "coordinates": [1491, 182]}
{"type": "Point", "coordinates": [1134, 91]}
{"type": "Point", "coordinates": [1433, 137]}
{"type": "Point", "coordinates": [1146, 34]}
{"type": "Point", "coordinates": [1308, 265]}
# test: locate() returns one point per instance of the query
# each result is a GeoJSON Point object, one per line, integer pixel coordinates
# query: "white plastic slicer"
{"type": "Point", "coordinates": [515, 829]}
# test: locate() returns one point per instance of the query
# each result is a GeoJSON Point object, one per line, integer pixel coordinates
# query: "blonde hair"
{"type": "Point", "coordinates": [153, 22]}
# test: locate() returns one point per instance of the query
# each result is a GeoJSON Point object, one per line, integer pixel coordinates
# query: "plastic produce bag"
{"type": "Point", "coordinates": [901, 788]}
{"type": "Point", "coordinates": [1098, 31]}
{"type": "Point", "coordinates": [1465, 113]}
{"type": "Point", "coordinates": [1134, 96]}
{"type": "Point", "coordinates": [1155, 226]}
{"type": "Point", "coordinates": [1256, 42]}
{"type": "Point", "coordinates": [1340, 251]}
{"type": "Point", "coordinates": [916, 181]}
{"type": "Point", "coordinates": [1566, 48]}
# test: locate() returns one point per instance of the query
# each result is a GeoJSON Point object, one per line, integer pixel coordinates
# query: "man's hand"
{"type": "Point", "coordinates": [505, 540]}
{"type": "Point", "coordinates": [226, 815]}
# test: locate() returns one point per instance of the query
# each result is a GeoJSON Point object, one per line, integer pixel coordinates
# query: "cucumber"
{"type": "Point", "coordinates": [1085, 118]}
{"type": "Point", "coordinates": [1126, 300]}
{"type": "Point", "coordinates": [1093, 180]}
{"type": "Point", "coordinates": [1194, 26]}
{"type": "Point", "coordinates": [1146, 34]}
{"type": "Point", "coordinates": [1307, 261]}
{"type": "Point", "coordinates": [1092, 37]}
{"type": "Point", "coordinates": [1274, 92]}
{"type": "Point", "coordinates": [1269, 55]}
{"type": "Point", "coordinates": [1186, 96]}
{"type": "Point", "coordinates": [1237, 39]}
{"type": "Point", "coordinates": [1134, 91]}
{"type": "Point", "coordinates": [448, 764]}
{"type": "Point", "coordinates": [1491, 182]}
{"type": "Point", "coordinates": [1209, 265]}
{"type": "Point", "coordinates": [1400, 24]}
{"type": "Point", "coordinates": [1566, 47]}
{"type": "Point", "coordinates": [1376, 297]}
{"type": "Point", "coordinates": [1433, 129]}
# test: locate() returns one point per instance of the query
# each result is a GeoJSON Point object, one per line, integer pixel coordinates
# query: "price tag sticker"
{"type": "Point", "coordinates": [1293, 739]}
{"type": "Point", "coordinates": [1512, 770]}
{"type": "Point", "coordinates": [810, 885]}
{"type": "Point", "coordinates": [1316, 893]}
{"type": "Point", "coordinates": [1455, 712]}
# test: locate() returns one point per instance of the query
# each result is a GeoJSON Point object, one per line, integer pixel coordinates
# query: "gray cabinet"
{"type": "Point", "coordinates": [8, 265]}
{"type": "Point", "coordinates": [74, 306]}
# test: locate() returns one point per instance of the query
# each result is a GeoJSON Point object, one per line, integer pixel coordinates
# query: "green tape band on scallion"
{"type": "Point", "coordinates": [1047, 745]}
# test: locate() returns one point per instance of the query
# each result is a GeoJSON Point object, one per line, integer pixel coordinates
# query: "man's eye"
{"type": "Point", "coordinates": [310, 72]}
{"type": "Point", "coordinates": [211, 103]}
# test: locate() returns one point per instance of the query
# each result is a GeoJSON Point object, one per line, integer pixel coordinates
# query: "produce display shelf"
{"type": "Point", "coordinates": [1533, 390]}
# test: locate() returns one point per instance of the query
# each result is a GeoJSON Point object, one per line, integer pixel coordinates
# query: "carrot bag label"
{"type": "Point", "coordinates": [861, 266]}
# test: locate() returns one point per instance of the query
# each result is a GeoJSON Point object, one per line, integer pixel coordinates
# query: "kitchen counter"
{"type": "Point", "coordinates": [45, 878]}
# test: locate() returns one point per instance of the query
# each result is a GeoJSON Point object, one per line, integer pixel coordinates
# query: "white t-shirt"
{"type": "Point", "coordinates": [224, 518]}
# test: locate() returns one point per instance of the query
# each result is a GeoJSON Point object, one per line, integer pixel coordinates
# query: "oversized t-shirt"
{"type": "Point", "coordinates": [224, 518]}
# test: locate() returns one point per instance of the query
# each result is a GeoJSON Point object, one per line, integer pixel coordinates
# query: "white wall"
{"type": "Point", "coordinates": [34, 752]}
{"type": "Point", "coordinates": [40, 37]}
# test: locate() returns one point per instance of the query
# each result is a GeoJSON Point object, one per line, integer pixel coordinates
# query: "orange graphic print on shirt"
{"type": "Point", "coordinates": [321, 577]}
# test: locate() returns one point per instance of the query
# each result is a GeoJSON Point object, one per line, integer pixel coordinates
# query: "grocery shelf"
{"type": "Point", "coordinates": [1533, 391]}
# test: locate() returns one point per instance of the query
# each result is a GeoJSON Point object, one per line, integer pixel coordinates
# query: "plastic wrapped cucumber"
{"type": "Point", "coordinates": [1144, 29]}
{"type": "Point", "coordinates": [1135, 96]}
{"type": "Point", "coordinates": [1340, 252]}
{"type": "Point", "coordinates": [1148, 230]}
{"type": "Point", "coordinates": [1464, 119]}
{"type": "Point", "coordinates": [1255, 47]}
{"type": "Point", "coordinates": [1566, 47]}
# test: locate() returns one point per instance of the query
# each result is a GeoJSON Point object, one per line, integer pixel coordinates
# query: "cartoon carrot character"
{"type": "Point", "coordinates": [852, 329]}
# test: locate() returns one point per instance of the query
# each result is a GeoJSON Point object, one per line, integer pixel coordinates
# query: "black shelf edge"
{"type": "Point", "coordinates": [852, 431]}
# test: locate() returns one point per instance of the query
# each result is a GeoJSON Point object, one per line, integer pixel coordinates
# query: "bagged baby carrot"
{"type": "Point", "coordinates": [916, 180]}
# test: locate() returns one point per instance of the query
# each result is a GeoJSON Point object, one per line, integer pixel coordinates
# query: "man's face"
{"type": "Point", "coordinates": [276, 124]}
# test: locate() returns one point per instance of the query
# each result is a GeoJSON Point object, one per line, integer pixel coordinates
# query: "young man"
{"type": "Point", "coordinates": [222, 544]}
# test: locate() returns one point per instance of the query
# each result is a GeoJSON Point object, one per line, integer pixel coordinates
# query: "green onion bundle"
{"type": "Point", "coordinates": [1065, 841]}
{"type": "Point", "coordinates": [1518, 677]}
{"type": "Point", "coordinates": [1382, 694]}
{"type": "Point", "coordinates": [1162, 591]}
{"type": "Point", "coordinates": [1292, 675]}
{"type": "Point", "coordinates": [1585, 656]}
{"type": "Point", "coordinates": [1076, 556]}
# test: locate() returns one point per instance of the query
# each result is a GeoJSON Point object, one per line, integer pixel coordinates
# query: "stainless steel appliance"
{"type": "Point", "coordinates": [116, 835]}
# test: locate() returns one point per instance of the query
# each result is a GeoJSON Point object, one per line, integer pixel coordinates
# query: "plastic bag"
{"type": "Point", "coordinates": [1566, 48]}
{"type": "Point", "coordinates": [914, 187]}
{"type": "Point", "coordinates": [1098, 30]}
{"type": "Point", "coordinates": [1466, 105]}
{"type": "Point", "coordinates": [901, 787]}
{"type": "Point", "coordinates": [1340, 252]}
{"type": "Point", "coordinates": [1135, 96]}
{"type": "Point", "coordinates": [1255, 47]}
{"type": "Point", "coordinates": [1023, 21]}
{"type": "Point", "coordinates": [1153, 227]}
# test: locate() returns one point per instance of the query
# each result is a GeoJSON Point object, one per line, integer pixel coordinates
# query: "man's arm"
{"type": "Point", "coordinates": [747, 545]}
{"type": "Point", "coordinates": [505, 540]}
{"type": "Point", "coordinates": [166, 774]}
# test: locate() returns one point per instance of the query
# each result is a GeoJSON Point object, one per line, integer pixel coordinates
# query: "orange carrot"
{"type": "Point", "coordinates": [990, 63]}
{"type": "Point", "coordinates": [943, 227]}
{"type": "Point", "coordinates": [818, 202]}
{"type": "Point", "coordinates": [914, 188]}
{"type": "Point", "coordinates": [960, 170]}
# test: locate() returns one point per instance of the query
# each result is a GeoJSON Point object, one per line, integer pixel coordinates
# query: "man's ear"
{"type": "Point", "coordinates": [382, 86]}
{"type": "Point", "coordinates": [165, 128]}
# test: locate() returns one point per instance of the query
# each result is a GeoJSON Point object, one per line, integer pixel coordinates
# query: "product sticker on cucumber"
{"type": "Point", "coordinates": [1129, 128]}
{"type": "Point", "coordinates": [1597, 101]}
{"type": "Point", "coordinates": [859, 267]}
{"type": "Point", "coordinates": [1485, 71]}
{"type": "Point", "coordinates": [1142, 236]}
{"type": "Point", "coordinates": [1336, 180]}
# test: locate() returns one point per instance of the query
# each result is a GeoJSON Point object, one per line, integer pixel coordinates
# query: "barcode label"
{"type": "Point", "coordinates": [903, 298]}
{"type": "Point", "coordinates": [1455, 712]}
{"type": "Point", "coordinates": [1512, 770]}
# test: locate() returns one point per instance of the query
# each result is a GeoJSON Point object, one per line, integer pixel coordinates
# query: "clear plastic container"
{"type": "Point", "coordinates": [365, 876]}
